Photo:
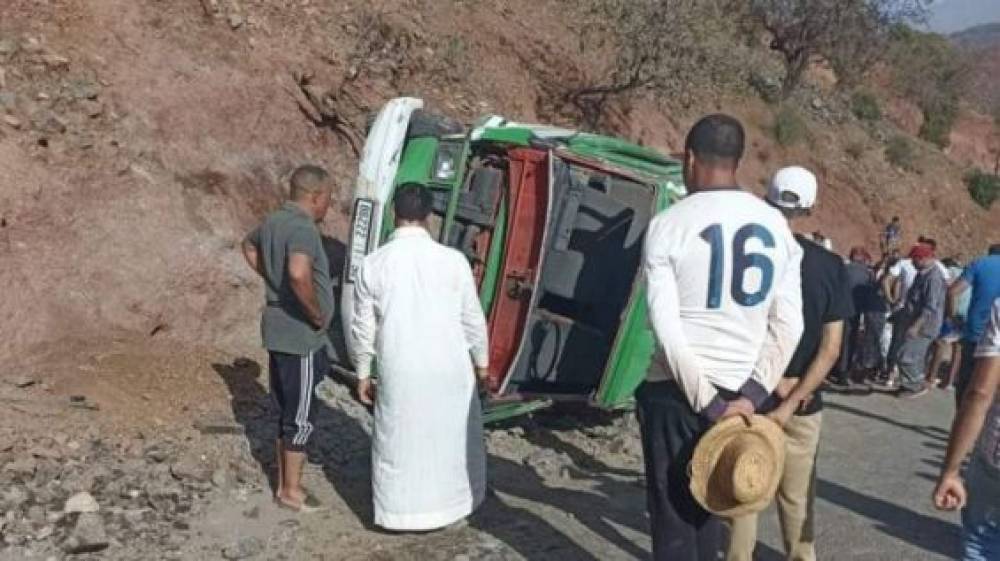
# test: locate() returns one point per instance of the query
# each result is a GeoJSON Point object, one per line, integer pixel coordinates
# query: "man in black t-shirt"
{"type": "Point", "coordinates": [796, 405]}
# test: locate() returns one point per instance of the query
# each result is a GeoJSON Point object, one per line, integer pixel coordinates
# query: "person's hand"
{"type": "Point", "coordinates": [950, 492]}
{"type": "Point", "coordinates": [366, 391]}
{"type": "Point", "coordinates": [739, 406]}
{"type": "Point", "coordinates": [783, 413]}
{"type": "Point", "coordinates": [785, 387]}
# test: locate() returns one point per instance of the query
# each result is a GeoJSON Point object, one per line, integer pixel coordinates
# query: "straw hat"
{"type": "Point", "coordinates": [737, 465]}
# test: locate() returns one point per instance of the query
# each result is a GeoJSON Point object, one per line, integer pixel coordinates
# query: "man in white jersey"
{"type": "Point", "coordinates": [725, 303]}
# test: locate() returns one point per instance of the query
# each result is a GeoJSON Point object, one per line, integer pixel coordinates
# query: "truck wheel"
{"type": "Point", "coordinates": [425, 123]}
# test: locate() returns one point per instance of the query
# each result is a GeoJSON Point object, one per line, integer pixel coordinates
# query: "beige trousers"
{"type": "Point", "coordinates": [796, 494]}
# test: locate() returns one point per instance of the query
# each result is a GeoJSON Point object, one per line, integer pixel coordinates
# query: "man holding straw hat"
{"type": "Point", "coordinates": [827, 303]}
{"type": "Point", "coordinates": [725, 303]}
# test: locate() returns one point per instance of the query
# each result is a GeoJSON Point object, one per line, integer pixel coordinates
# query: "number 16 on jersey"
{"type": "Point", "coordinates": [742, 261]}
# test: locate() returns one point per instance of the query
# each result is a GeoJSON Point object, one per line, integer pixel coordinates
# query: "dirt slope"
{"type": "Point", "coordinates": [141, 138]}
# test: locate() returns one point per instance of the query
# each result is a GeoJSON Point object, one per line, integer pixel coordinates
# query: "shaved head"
{"type": "Point", "coordinates": [716, 140]}
{"type": "Point", "coordinates": [309, 180]}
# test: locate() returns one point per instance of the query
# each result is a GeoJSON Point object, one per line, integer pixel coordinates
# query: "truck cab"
{"type": "Point", "coordinates": [552, 221]}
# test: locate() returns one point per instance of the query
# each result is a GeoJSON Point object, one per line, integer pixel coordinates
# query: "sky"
{"type": "Point", "coordinates": [948, 16]}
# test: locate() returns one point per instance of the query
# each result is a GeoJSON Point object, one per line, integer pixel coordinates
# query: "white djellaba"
{"type": "Point", "coordinates": [417, 311]}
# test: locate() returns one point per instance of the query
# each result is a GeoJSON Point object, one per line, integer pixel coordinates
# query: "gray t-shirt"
{"type": "Point", "coordinates": [925, 299]}
{"type": "Point", "coordinates": [283, 325]}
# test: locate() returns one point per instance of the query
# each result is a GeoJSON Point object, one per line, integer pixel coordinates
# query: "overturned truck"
{"type": "Point", "coordinates": [552, 221]}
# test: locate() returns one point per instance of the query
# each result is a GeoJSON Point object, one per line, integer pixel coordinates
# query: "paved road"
{"type": "Point", "coordinates": [878, 460]}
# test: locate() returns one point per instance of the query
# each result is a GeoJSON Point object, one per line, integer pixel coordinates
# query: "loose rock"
{"type": "Point", "coordinates": [243, 549]}
{"type": "Point", "coordinates": [547, 462]}
{"type": "Point", "coordinates": [81, 502]}
{"type": "Point", "coordinates": [7, 47]}
{"type": "Point", "coordinates": [53, 60]}
{"type": "Point", "coordinates": [88, 536]}
{"type": "Point", "coordinates": [24, 466]}
{"type": "Point", "coordinates": [48, 122]}
{"type": "Point", "coordinates": [24, 381]}
{"type": "Point", "coordinates": [8, 101]}
{"type": "Point", "coordinates": [14, 498]}
{"type": "Point", "coordinates": [219, 478]}
{"type": "Point", "coordinates": [191, 470]}
{"type": "Point", "coordinates": [46, 452]}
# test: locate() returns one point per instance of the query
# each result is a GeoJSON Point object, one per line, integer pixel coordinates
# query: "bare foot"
{"type": "Point", "coordinates": [297, 501]}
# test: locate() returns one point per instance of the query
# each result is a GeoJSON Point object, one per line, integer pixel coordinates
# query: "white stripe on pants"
{"type": "Point", "coordinates": [305, 400]}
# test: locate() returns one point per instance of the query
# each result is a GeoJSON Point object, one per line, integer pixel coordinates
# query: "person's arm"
{"type": "Point", "coordinates": [300, 271]}
{"type": "Point", "coordinates": [364, 323]}
{"type": "Point", "coordinates": [364, 328]}
{"type": "Point", "coordinates": [474, 323]}
{"type": "Point", "coordinates": [826, 357]}
{"type": "Point", "coordinates": [251, 251]}
{"type": "Point", "coordinates": [976, 402]}
{"type": "Point", "coordinates": [784, 329]}
{"type": "Point", "coordinates": [665, 317]}
{"type": "Point", "coordinates": [954, 293]}
{"type": "Point", "coordinates": [889, 284]}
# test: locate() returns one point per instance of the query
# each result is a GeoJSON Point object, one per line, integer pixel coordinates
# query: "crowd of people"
{"type": "Point", "coordinates": [751, 321]}
{"type": "Point", "coordinates": [910, 330]}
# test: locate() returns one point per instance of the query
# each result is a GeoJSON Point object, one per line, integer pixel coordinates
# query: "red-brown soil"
{"type": "Point", "coordinates": [146, 137]}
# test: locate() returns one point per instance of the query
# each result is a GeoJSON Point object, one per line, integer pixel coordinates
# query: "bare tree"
{"type": "Point", "coordinates": [851, 34]}
{"type": "Point", "coordinates": [666, 45]}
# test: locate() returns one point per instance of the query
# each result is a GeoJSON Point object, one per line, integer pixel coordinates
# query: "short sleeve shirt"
{"type": "Point", "coordinates": [284, 327]}
{"type": "Point", "coordinates": [826, 298]}
{"type": "Point", "coordinates": [988, 446]}
{"type": "Point", "coordinates": [906, 273]}
{"type": "Point", "coordinates": [983, 278]}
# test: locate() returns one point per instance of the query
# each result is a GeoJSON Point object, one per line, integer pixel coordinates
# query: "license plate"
{"type": "Point", "coordinates": [361, 226]}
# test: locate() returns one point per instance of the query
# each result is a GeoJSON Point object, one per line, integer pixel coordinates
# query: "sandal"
{"type": "Point", "coordinates": [309, 505]}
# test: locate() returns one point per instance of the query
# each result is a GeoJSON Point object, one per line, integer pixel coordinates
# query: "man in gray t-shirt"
{"type": "Point", "coordinates": [918, 323]}
{"type": "Point", "coordinates": [979, 414]}
{"type": "Point", "coordinates": [287, 251]}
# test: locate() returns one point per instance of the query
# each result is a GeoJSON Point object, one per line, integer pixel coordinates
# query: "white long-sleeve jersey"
{"type": "Point", "coordinates": [724, 295]}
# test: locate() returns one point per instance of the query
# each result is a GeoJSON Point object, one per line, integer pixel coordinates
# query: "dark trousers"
{"type": "Point", "coordinates": [681, 529]}
{"type": "Point", "coordinates": [849, 347]}
{"type": "Point", "coordinates": [870, 353]}
{"type": "Point", "coordinates": [293, 382]}
{"type": "Point", "coordinates": [965, 370]}
{"type": "Point", "coordinates": [898, 338]}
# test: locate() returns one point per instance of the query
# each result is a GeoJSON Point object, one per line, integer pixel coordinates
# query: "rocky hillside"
{"type": "Point", "coordinates": [139, 140]}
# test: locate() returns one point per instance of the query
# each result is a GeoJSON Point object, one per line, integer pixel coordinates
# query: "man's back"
{"type": "Point", "coordinates": [729, 254]}
{"type": "Point", "coordinates": [983, 278]}
{"type": "Point", "coordinates": [284, 326]}
{"type": "Point", "coordinates": [420, 289]}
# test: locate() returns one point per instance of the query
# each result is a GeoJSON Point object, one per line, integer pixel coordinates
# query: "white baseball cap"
{"type": "Point", "coordinates": [792, 188]}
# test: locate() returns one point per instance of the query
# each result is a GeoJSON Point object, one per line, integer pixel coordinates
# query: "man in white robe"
{"type": "Point", "coordinates": [416, 311]}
